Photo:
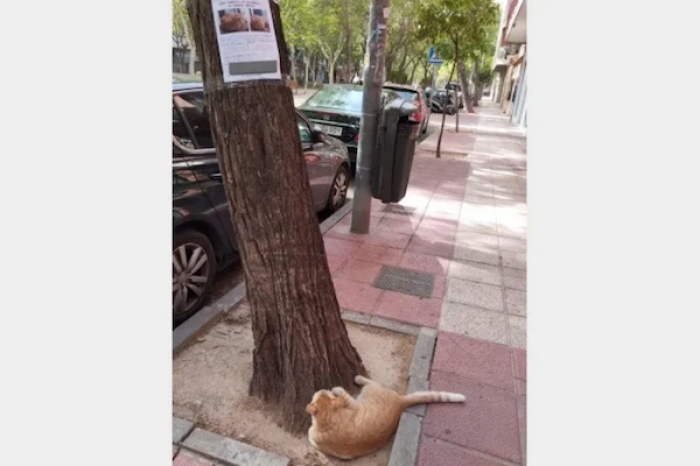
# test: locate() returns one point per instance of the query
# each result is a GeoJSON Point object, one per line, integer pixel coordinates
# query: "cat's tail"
{"type": "Point", "coordinates": [432, 397]}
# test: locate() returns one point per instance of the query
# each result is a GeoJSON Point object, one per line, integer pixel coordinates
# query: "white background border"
{"type": "Point", "coordinates": [614, 234]}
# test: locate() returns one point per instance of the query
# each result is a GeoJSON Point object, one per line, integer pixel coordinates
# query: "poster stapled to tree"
{"type": "Point", "coordinates": [247, 42]}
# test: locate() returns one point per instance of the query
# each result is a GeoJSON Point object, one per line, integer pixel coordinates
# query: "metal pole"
{"type": "Point", "coordinates": [372, 91]}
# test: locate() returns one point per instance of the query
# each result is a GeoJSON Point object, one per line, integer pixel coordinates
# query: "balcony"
{"type": "Point", "coordinates": [516, 31]}
{"type": "Point", "coordinates": [501, 61]}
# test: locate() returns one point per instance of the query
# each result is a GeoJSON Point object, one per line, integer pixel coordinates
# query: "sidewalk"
{"type": "Point", "coordinates": [451, 256]}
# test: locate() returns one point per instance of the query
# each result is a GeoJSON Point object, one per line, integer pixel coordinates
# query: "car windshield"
{"type": "Point", "coordinates": [337, 97]}
{"type": "Point", "coordinates": [406, 94]}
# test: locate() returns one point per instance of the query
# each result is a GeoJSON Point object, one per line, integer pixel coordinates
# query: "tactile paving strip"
{"type": "Point", "coordinates": [405, 281]}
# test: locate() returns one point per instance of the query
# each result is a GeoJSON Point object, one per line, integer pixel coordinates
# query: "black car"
{"type": "Point", "coordinates": [204, 240]}
{"type": "Point", "coordinates": [336, 109]}
{"type": "Point", "coordinates": [442, 102]}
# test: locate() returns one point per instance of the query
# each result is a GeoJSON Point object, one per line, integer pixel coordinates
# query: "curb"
{"type": "Point", "coordinates": [210, 315]}
{"type": "Point", "coordinates": [226, 450]}
{"type": "Point", "coordinates": [404, 451]}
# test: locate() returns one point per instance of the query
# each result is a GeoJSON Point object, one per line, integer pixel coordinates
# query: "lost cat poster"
{"type": "Point", "coordinates": [247, 41]}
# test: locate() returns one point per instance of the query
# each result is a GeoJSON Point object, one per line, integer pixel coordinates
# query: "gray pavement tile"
{"type": "Point", "coordinates": [516, 302]}
{"type": "Point", "coordinates": [514, 260]}
{"type": "Point", "coordinates": [475, 294]}
{"type": "Point", "coordinates": [476, 254]}
{"type": "Point", "coordinates": [474, 322]}
{"type": "Point", "coordinates": [518, 331]}
{"type": "Point", "coordinates": [472, 238]}
{"type": "Point", "coordinates": [515, 278]}
{"type": "Point", "coordinates": [475, 271]}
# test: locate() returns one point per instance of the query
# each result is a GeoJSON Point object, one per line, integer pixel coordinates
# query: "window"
{"type": "Point", "coordinates": [194, 108]}
{"type": "Point", "coordinates": [304, 131]}
{"type": "Point", "coordinates": [180, 131]}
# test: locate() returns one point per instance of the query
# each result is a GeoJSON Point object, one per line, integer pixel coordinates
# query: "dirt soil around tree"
{"type": "Point", "coordinates": [210, 386]}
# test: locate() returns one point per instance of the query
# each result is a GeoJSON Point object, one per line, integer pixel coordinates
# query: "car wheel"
{"type": "Point", "coordinates": [194, 268]}
{"type": "Point", "coordinates": [339, 189]}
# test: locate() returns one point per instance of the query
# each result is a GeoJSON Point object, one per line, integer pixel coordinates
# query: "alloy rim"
{"type": "Point", "coordinates": [190, 276]}
{"type": "Point", "coordinates": [340, 189]}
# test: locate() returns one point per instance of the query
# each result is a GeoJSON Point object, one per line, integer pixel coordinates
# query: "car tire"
{"type": "Point", "coordinates": [194, 271]}
{"type": "Point", "coordinates": [338, 192]}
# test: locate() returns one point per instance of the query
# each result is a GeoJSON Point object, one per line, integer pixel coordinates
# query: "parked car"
{"type": "Point", "coordinates": [204, 240]}
{"type": "Point", "coordinates": [442, 102]}
{"type": "Point", "coordinates": [336, 109]}
{"type": "Point", "coordinates": [452, 87]}
{"type": "Point", "coordinates": [415, 95]}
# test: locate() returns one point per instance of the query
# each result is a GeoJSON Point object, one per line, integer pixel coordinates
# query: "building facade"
{"type": "Point", "coordinates": [510, 63]}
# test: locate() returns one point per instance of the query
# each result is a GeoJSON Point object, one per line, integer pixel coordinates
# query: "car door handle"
{"type": "Point", "coordinates": [216, 177]}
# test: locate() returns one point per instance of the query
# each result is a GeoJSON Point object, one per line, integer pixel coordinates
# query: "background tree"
{"type": "Point", "coordinates": [301, 343]}
{"type": "Point", "coordinates": [463, 26]}
{"type": "Point", "coordinates": [329, 37]}
{"type": "Point", "coordinates": [182, 28]}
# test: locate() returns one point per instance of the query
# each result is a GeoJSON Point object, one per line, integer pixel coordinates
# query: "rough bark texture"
{"type": "Point", "coordinates": [465, 86]}
{"type": "Point", "coordinates": [301, 343]}
{"type": "Point", "coordinates": [477, 84]}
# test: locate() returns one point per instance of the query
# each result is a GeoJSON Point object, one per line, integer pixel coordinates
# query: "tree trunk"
{"type": "Point", "coordinates": [444, 113]}
{"type": "Point", "coordinates": [348, 52]}
{"type": "Point", "coordinates": [193, 57]}
{"type": "Point", "coordinates": [301, 343]}
{"type": "Point", "coordinates": [465, 86]}
{"type": "Point", "coordinates": [294, 63]}
{"type": "Point", "coordinates": [306, 79]}
{"type": "Point", "coordinates": [456, 110]}
{"type": "Point", "coordinates": [314, 64]}
{"type": "Point", "coordinates": [331, 72]}
{"type": "Point", "coordinates": [475, 78]}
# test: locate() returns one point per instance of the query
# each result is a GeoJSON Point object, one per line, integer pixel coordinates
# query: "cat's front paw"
{"type": "Point", "coordinates": [359, 380]}
{"type": "Point", "coordinates": [338, 391]}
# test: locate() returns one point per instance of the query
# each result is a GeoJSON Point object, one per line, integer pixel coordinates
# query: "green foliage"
{"type": "Point", "coordinates": [296, 20]}
{"type": "Point", "coordinates": [460, 29]}
{"type": "Point", "coordinates": [331, 27]}
{"type": "Point", "coordinates": [181, 21]}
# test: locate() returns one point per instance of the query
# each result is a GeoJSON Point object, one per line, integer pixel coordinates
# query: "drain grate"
{"type": "Point", "coordinates": [398, 209]}
{"type": "Point", "coordinates": [405, 281]}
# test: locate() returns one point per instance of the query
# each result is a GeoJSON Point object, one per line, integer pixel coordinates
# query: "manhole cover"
{"type": "Point", "coordinates": [398, 209]}
{"type": "Point", "coordinates": [405, 281]}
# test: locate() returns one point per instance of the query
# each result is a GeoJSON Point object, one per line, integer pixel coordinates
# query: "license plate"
{"type": "Point", "coordinates": [332, 130]}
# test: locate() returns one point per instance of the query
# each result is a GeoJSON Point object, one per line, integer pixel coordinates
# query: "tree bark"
{"type": "Point", "coordinates": [306, 79]}
{"type": "Point", "coordinates": [301, 343]}
{"type": "Point", "coordinates": [193, 58]}
{"type": "Point", "coordinates": [465, 86]}
{"type": "Point", "coordinates": [475, 78]}
{"type": "Point", "coordinates": [331, 72]}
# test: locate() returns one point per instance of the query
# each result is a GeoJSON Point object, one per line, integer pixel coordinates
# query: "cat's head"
{"type": "Point", "coordinates": [323, 402]}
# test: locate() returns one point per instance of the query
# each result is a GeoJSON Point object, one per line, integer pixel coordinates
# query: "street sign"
{"type": "Point", "coordinates": [433, 58]}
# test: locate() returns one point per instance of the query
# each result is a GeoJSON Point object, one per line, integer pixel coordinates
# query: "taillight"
{"type": "Point", "coordinates": [417, 117]}
{"type": "Point", "coordinates": [357, 137]}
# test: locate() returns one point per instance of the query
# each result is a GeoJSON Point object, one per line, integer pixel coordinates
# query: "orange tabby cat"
{"type": "Point", "coordinates": [346, 428]}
